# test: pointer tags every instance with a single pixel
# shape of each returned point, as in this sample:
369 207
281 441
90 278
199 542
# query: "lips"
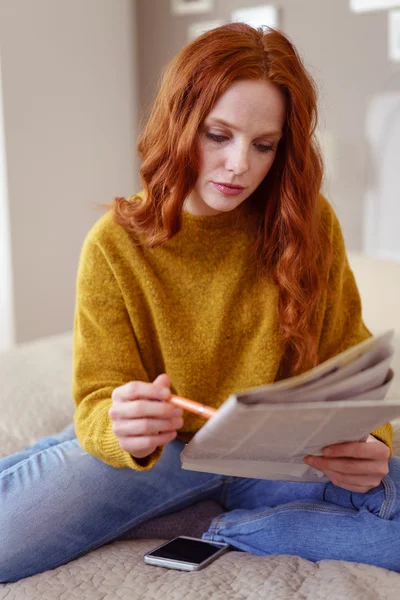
227 189
229 185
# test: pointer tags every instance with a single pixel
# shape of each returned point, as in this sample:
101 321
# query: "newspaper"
265 432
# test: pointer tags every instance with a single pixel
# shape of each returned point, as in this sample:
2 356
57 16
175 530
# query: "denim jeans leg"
68 433
62 502
324 522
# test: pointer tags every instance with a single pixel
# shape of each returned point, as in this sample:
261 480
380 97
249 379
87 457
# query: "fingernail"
178 412
165 393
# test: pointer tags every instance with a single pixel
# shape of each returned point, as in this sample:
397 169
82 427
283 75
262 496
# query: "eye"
215 137
263 148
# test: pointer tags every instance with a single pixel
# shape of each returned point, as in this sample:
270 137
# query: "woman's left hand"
354 466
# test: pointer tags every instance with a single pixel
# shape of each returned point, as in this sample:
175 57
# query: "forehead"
251 104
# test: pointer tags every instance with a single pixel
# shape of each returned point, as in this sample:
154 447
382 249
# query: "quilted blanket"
35 400
117 571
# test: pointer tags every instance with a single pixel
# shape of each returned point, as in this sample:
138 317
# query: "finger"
139 389
369 450
146 426
162 380
137 444
350 466
353 483
140 409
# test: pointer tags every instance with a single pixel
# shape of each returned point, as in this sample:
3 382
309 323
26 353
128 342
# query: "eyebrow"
265 134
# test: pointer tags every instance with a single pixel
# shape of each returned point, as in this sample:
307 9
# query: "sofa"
35 400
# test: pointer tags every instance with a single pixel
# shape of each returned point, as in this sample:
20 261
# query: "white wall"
7 332
70 115
382 215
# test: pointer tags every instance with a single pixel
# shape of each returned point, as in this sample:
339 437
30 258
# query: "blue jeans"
58 503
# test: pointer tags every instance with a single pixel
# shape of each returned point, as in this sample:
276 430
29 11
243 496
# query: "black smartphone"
185 553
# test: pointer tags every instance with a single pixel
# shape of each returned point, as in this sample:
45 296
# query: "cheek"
209 160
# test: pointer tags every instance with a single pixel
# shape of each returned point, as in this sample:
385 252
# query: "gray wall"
70 115
346 54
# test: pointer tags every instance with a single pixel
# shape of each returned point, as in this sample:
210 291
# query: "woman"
228 271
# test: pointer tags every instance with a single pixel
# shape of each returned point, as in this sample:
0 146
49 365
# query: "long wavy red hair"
289 239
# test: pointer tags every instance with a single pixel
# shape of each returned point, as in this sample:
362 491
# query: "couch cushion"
35 392
378 281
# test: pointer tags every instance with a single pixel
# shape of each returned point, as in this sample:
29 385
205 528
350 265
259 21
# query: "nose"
237 159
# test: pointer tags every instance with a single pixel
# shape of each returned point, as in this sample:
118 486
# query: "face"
237 145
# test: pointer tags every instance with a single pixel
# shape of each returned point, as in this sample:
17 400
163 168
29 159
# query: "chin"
221 207
221 203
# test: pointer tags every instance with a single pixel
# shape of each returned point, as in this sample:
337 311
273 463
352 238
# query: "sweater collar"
236 219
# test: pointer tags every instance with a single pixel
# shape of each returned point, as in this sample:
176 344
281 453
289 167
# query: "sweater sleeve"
105 356
342 323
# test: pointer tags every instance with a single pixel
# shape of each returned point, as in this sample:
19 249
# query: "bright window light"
257 16
368 5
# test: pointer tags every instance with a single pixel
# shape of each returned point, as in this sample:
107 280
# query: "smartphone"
185 553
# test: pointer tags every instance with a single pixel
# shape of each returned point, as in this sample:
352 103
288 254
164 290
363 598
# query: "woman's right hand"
142 419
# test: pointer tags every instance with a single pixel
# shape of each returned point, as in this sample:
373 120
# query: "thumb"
162 380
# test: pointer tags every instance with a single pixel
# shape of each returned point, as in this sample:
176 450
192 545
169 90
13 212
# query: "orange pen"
194 407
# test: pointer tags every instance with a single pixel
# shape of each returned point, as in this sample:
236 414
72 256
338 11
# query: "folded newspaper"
265 432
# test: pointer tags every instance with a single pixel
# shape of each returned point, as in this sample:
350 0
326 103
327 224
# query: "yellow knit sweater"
194 309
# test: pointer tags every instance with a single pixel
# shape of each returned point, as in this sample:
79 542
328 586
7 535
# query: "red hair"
289 240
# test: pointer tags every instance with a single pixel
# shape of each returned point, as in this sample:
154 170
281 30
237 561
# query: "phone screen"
185 550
